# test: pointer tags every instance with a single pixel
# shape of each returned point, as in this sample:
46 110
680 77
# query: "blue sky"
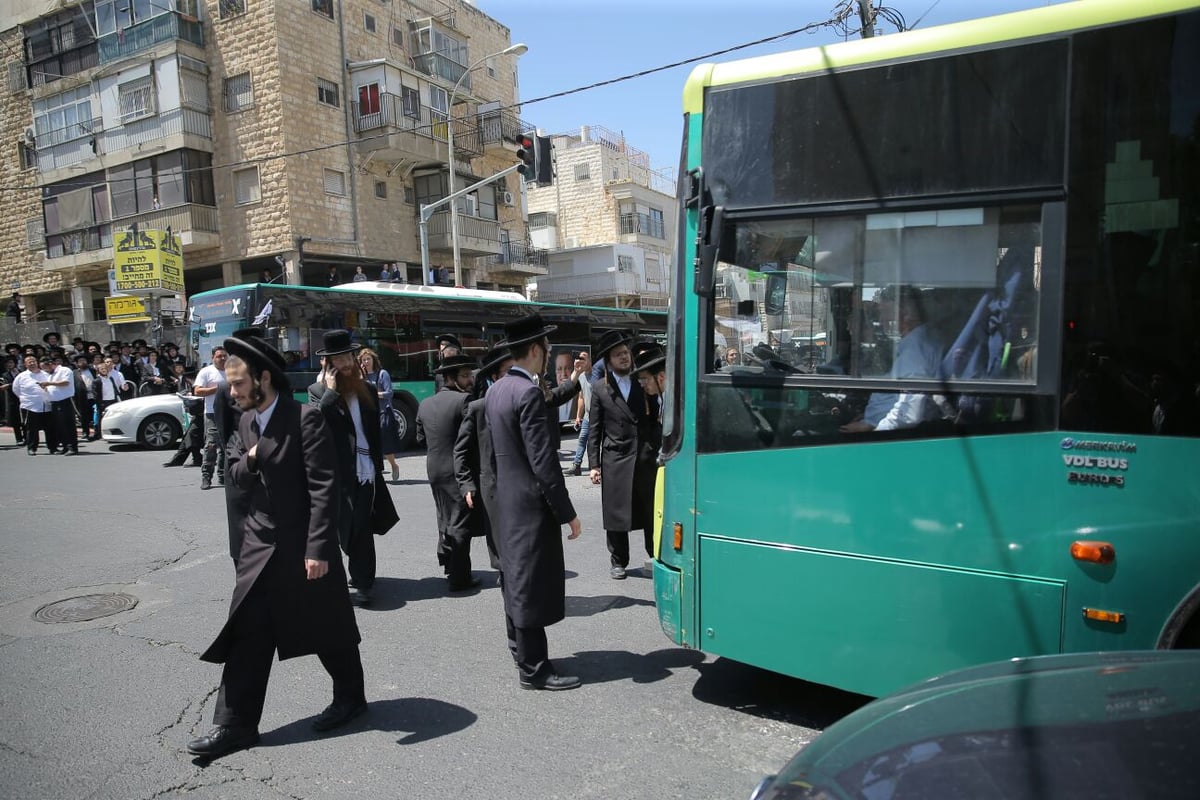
574 43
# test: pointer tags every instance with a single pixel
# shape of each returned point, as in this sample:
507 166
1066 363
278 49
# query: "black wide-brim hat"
455 363
168 345
46 336
649 358
79 356
337 342
494 358
608 341
138 343
261 354
448 338
526 329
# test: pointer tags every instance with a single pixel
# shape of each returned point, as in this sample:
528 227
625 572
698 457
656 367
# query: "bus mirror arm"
708 245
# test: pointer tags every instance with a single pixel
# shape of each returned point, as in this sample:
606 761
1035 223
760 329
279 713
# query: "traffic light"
527 155
535 154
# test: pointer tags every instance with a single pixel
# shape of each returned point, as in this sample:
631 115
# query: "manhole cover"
84 608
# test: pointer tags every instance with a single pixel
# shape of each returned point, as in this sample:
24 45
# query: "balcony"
497 129
515 261
615 289
439 66
476 236
180 122
196 226
144 35
67 146
398 132
642 225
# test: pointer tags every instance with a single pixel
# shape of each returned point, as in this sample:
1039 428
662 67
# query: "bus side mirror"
708 245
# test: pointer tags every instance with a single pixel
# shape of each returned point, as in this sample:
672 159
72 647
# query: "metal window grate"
231 8
16 76
137 99
239 92
327 93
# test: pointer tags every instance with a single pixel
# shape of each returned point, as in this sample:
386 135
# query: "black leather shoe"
338 714
223 739
360 598
551 683
463 585
574 470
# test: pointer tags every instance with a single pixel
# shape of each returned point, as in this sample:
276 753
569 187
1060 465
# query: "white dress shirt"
624 384
263 417
66 392
32 396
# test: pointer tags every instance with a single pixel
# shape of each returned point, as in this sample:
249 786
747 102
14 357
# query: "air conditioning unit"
30 139
507 198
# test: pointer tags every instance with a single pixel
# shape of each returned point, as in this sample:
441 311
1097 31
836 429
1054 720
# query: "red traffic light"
527 155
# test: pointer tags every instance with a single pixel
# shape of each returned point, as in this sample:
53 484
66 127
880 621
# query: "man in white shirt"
30 389
208 381
61 388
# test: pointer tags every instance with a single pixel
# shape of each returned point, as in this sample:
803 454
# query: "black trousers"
454 533
86 408
618 546
64 424
529 649
36 422
101 407
360 549
12 414
247 669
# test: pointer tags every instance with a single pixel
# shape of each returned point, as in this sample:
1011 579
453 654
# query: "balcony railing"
643 224
70 145
150 129
81 240
497 128
392 113
62 65
468 227
144 35
440 66
515 253
186 217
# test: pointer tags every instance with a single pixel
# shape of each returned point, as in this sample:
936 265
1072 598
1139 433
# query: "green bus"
399 321
981 243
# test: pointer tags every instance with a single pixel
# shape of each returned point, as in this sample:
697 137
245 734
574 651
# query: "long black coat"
345 443
626 474
475 465
292 517
227 416
531 505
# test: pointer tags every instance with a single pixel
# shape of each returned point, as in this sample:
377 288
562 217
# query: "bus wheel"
1189 637
406 425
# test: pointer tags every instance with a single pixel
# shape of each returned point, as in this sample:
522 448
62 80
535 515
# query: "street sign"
148 262
120 310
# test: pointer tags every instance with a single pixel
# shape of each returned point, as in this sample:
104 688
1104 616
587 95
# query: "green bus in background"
934 358
399 321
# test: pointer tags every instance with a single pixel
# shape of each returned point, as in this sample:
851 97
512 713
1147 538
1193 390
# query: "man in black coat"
438 419
349 403
290 593
474 458
531 506
627 486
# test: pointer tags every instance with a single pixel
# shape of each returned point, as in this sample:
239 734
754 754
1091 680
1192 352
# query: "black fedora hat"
455 363
448 338
649 357
138 342
494 358
79 356
169 345
261 354
11 346
526 329
46 336
608 341
338 341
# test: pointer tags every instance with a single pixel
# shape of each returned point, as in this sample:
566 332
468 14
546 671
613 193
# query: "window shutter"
335 182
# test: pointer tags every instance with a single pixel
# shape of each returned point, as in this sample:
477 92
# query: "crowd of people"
55 394
306 480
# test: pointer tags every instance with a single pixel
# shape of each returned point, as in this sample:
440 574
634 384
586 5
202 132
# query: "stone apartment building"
280 136
609 222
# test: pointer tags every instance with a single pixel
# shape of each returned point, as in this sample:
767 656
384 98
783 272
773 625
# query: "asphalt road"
102 709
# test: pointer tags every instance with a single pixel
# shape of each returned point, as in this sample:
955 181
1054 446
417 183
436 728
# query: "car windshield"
1126 758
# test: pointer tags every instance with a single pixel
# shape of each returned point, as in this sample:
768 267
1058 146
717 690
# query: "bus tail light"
1115 617
1096 552
677 536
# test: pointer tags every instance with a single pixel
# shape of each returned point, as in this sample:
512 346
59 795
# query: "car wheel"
158 432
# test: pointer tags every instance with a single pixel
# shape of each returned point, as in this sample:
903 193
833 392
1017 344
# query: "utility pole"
866 18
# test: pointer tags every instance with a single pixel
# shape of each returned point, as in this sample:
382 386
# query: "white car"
155 422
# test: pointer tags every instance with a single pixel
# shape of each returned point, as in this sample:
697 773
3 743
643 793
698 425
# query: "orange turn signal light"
677 540
1096 552
1115 617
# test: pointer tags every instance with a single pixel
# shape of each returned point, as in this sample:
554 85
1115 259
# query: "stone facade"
607 204
316 185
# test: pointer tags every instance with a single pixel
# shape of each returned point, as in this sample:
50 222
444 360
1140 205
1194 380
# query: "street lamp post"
516 50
